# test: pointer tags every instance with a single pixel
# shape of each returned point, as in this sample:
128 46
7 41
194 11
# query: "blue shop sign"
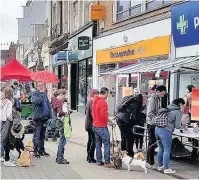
185 24
72 56
60 57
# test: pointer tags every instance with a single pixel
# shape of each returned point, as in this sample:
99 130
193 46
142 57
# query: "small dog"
26 158
138 160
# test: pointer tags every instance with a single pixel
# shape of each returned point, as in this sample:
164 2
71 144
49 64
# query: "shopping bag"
67 127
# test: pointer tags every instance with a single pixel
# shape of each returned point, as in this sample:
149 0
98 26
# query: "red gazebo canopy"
15 70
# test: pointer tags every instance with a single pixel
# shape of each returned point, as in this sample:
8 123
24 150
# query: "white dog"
138 160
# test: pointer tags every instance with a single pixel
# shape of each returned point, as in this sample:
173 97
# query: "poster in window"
195 104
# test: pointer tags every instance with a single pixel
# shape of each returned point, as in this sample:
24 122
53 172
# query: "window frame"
155 8
127 10
75 15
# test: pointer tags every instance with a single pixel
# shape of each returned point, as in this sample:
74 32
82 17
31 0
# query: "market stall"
14 70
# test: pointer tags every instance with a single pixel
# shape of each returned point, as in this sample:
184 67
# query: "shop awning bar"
153 66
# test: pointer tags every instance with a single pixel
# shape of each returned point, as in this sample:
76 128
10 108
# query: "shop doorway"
59 76
73 86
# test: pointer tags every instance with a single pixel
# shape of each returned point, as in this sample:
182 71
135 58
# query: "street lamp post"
39 64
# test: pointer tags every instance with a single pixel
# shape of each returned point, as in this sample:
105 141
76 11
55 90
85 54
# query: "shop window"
135 10
89 75
153 4
82 84
128 8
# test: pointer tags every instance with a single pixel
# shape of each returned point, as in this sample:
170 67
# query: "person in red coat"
100 123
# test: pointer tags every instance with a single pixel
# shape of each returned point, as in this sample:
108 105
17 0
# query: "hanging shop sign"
143 49
61 56
97 12
80 46
185 23
83 43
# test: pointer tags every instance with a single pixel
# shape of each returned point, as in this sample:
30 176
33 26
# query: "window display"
89 75
82 83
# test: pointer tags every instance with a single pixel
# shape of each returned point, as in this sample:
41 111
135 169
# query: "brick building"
7 55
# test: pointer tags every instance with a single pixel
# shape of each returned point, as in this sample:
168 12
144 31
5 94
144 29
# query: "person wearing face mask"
57 105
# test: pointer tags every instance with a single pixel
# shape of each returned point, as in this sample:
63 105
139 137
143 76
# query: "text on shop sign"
128 52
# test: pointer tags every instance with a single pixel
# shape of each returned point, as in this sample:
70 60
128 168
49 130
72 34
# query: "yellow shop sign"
143 49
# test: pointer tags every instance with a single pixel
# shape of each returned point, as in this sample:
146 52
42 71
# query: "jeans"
2 146
164 138
91 144
62 141
151 144
102 136
39 135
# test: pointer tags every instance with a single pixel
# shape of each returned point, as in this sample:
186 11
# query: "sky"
9 11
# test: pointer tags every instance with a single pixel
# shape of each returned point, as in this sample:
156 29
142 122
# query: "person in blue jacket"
41 114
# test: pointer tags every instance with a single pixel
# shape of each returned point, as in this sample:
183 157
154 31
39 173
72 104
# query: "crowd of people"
129 112
11 125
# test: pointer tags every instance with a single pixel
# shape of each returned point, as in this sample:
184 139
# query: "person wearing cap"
89 125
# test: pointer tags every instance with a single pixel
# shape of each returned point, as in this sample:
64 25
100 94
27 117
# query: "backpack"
162 117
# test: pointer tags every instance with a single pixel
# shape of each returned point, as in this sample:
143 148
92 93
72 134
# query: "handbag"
67 127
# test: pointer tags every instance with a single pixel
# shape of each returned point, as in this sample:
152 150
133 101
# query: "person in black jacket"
89 125
127 115
41 114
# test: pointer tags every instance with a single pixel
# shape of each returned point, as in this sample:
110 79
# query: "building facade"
7 55
131 34
71 49
185 44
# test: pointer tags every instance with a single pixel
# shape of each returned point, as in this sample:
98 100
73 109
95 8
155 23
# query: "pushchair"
51 130
29 128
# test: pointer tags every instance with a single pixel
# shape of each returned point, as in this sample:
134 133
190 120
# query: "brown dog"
26 157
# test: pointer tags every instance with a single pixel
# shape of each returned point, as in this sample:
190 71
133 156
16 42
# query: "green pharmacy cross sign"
182 25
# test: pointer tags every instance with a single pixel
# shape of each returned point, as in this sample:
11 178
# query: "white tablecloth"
188 134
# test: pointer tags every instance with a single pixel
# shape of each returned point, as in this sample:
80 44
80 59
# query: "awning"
161 65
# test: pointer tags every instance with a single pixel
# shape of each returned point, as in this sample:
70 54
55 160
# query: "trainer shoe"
2 159
64 161
160 168
169 171
9 164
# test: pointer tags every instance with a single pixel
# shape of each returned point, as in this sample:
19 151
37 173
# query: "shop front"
80 73
185 32
60 68
132 55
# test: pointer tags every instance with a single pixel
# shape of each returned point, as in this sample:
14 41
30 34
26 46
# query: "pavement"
79 168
